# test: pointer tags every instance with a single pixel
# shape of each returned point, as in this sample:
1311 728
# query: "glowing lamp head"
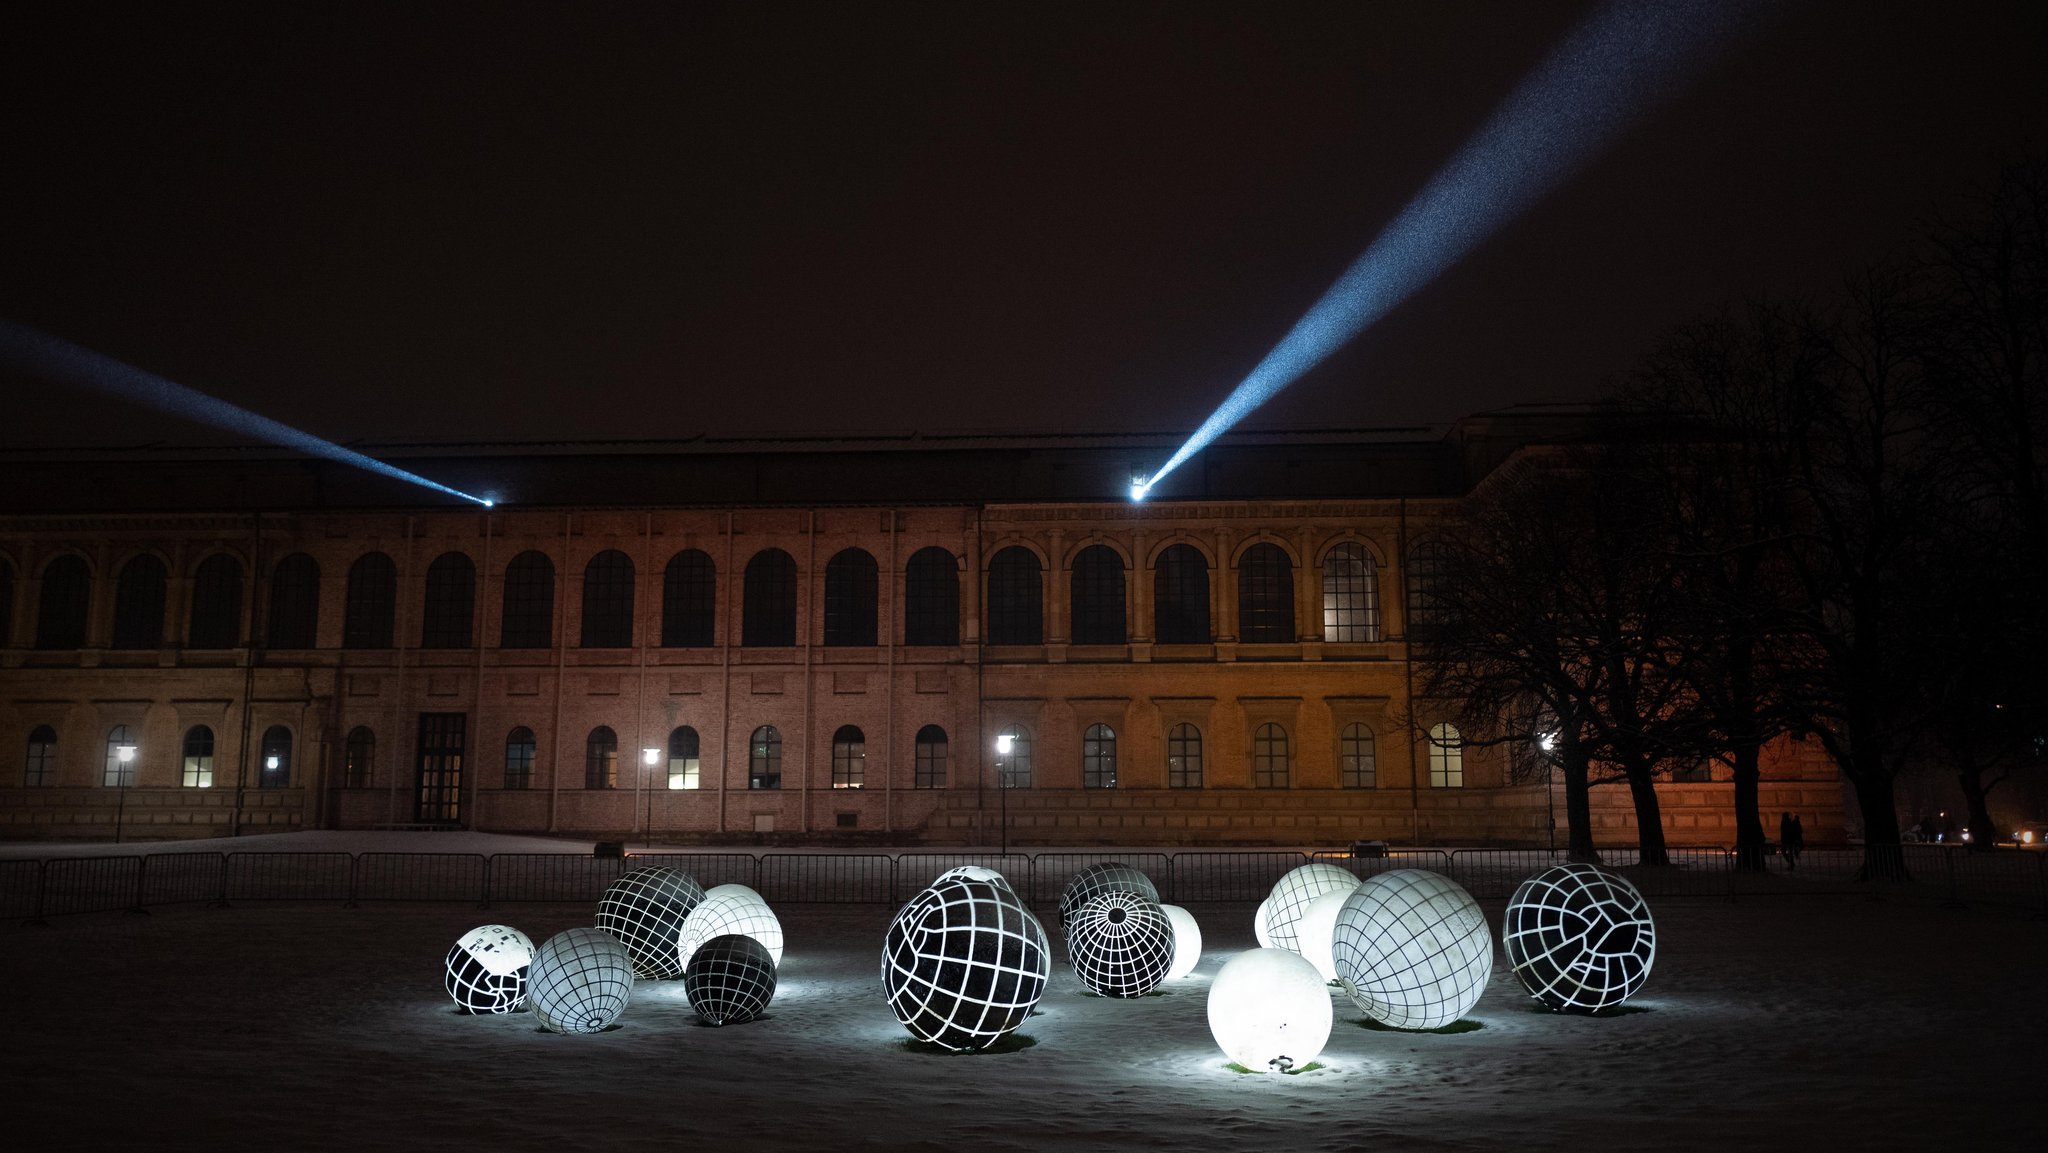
270 762
1269 1010
1547 742
650 756
489 503
1140 485
125 753
1004 744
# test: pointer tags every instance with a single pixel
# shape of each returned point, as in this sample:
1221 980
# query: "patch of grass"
1609 1011
1311 1067
1463 1025
1010 1043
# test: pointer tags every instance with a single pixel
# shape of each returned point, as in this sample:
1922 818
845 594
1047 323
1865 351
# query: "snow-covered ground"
1796 1022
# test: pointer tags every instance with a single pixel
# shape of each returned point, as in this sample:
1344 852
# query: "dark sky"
495 220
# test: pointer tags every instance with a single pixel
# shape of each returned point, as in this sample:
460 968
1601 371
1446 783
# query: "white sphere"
734 889
1579 937
1291 895
973 873
1269 1009
1316 931
1187 941
729 913
1259 924
486 969
1412 949
580 981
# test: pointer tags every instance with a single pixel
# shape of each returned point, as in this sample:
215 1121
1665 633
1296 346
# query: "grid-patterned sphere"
1291 896
486 969
728 913
974 873
1121 944
645 910
1105 877
1412 949
730 979
964 963
1579 937
735 888
580 981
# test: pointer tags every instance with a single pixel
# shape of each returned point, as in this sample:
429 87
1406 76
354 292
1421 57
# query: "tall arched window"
39 768
931 758
519 754
448 622
1265 596
931 598
294 621
1351 594
1098 757
608 601
197 770
1013 769
1184 757
1446 757
366 621
1180 597
359 759
849 758
120 770
216 604
1426 608
601 759
684 764
1016 598
61 611
6 603
1357 758
527 620
139 604
1098 588
768 608
764 759
850 590
1272 759
275 770
689 601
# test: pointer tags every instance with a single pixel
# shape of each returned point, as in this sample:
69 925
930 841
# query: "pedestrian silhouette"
1795 844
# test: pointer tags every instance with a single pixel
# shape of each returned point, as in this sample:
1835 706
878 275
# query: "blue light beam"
1607 74
49 358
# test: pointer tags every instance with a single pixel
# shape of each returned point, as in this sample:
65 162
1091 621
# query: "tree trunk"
1884 861
1578 810
1642 789
1970 775
1749 824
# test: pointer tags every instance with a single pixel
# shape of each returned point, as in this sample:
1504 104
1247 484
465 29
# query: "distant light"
270 762
650 756
489 503
1004 743
1547 742
1140 484
125 753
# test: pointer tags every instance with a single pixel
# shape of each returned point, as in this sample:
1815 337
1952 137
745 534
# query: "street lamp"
1004 743
125 754
649 756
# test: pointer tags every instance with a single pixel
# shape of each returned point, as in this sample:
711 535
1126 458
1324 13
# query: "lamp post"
1546 744
1005 742
650 756
125 754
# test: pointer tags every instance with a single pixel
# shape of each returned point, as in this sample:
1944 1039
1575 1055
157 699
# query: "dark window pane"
601 759
931 758
764 759
608 601
1098 588
689 601
1016 611
519 751
1098 758
139 604
768 616
61 611
294 603
1265 596
217 604
451 602
274 770
850 590
1181 597
931 588
372 599
527 620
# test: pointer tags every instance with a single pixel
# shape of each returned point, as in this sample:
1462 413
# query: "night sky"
517 221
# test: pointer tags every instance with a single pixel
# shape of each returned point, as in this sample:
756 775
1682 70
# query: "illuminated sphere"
964 963
580 981
1579 937
735 890
728 913
1291 895
486 969
1259 923
1187 941
1269 1009
1106 877
1412 949
1316 931
1121 944
645 910
974 873
730 979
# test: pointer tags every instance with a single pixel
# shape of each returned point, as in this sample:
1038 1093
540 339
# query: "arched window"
120 770
689 601
6 603
608 601
1180 597
1098 757
449 618
366 622
683 758
1357 759
1272 760
294 603
527 620
601 759
764 759
1351 594
39 768
931 598
1013 769
276 770
519 751
768 608
61 611
931 758
216 604
850 589
198 760
1184 757
1265 596
1016 598
359 758
849 758
1446 757
139 604
1098 590
1426 607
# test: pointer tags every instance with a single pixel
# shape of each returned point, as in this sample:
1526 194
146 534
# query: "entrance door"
439 797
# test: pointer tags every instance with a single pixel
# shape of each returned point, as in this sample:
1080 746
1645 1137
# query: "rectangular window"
682 772
442 737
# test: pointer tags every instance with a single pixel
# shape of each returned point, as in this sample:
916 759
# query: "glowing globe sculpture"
580 981
1291 896
1265 939
1269 1009
1412 949
728 913
730 979
964 963
645 910
1106 877
734 889
1579 938
1316 931
486 969
1187 942
973 873
1121 944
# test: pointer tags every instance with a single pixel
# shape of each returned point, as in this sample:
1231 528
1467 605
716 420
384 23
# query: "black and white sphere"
1412 949
730 979
973 873
580 981
1106 877
1291 896
1121 944
1579 938
721 914
964 963
645 910
486 969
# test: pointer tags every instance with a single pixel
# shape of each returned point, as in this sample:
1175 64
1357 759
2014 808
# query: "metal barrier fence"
1050 872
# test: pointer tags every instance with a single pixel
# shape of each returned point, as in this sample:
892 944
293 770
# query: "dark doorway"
440 767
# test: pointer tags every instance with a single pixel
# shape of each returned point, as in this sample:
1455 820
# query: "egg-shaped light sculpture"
1291 895
1187 942
1412 949
730 979
580 981
1269 1010
964 963
485 971
724 913
645 910
733 888
1315 932
1259 932
1121 944
1579 938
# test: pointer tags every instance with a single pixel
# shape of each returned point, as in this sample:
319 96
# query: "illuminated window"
359 759
448 620
850 590
768 608
764 759
1357 760
519 752
1013 769
139 604
931 598
849 758
527 620
608 601
1427 562
366 621
1016 598
1446 758
1351 595
601 759
216 604
689 601
1272 761
1098 757
294 603
119 773
61 610
1180 597
39 770
275 768
1265 596
1184 757
1098 596
198 758
931 758
683 762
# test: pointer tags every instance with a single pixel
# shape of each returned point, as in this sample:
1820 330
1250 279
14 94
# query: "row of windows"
124 756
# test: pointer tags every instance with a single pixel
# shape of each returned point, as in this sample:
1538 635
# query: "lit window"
1351 595
1446 757
198 758
683 758
764 759
1098 758
849 758
120 773
1357 758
